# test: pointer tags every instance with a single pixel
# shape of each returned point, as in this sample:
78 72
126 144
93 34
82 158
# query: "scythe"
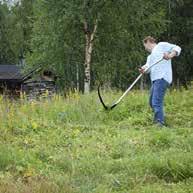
124 94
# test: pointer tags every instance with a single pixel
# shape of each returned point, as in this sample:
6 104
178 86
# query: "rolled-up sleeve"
147 65
171 47
177 49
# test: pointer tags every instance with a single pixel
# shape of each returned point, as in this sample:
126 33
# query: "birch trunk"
89 36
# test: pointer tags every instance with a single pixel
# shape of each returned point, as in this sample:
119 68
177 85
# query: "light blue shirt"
164 68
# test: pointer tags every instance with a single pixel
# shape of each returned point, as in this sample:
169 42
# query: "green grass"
71 145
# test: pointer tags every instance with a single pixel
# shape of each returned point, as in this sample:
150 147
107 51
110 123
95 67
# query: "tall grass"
72 145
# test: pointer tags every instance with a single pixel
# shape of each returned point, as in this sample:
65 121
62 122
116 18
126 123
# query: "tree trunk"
77 78
178 83
88 54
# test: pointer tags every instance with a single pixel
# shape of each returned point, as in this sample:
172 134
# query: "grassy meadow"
71 145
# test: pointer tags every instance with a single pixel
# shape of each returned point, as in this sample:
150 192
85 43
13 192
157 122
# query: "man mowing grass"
160 74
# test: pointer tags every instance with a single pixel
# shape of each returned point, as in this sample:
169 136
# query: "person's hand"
142 69
169 56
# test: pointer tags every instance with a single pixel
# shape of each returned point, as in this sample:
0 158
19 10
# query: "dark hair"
149 39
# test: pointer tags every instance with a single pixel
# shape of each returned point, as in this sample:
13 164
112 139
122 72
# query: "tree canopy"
94 40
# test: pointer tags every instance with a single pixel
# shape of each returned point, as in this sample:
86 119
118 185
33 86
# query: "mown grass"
71 145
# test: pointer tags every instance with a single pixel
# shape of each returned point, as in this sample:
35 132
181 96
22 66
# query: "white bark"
88 55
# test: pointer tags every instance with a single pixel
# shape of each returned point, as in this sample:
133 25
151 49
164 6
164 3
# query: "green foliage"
5 157
52 33
58 38
72 145
16 24
181 20
7 53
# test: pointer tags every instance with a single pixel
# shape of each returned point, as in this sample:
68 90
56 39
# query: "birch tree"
102 37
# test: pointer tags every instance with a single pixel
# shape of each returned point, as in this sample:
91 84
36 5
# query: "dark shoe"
160 125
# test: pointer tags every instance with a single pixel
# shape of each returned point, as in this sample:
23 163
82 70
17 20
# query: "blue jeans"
157 93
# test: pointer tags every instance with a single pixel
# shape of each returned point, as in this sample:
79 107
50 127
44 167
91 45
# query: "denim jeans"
157 93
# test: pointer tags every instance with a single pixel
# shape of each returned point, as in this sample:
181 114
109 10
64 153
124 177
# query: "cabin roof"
8 72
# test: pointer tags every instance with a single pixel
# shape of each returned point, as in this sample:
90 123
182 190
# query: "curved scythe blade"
124 94
101 100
